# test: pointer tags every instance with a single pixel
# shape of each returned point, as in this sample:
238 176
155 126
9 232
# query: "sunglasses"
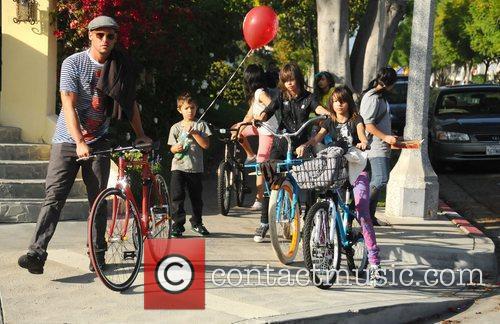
110 36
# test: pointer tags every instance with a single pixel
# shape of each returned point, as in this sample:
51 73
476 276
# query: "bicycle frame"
123 184
341 220
289 162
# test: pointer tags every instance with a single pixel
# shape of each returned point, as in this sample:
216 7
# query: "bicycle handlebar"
137 147
228 130
261 124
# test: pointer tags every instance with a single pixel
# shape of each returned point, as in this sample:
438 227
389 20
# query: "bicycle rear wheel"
321 246
160 208
224 187
114 231
356 253
284 228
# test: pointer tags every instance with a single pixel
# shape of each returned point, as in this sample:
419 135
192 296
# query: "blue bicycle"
284 205
331 228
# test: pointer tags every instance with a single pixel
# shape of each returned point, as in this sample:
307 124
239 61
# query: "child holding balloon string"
258 98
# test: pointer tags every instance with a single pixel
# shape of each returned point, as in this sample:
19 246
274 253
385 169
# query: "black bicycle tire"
159 179
306 247
355 239
240 186
224 206
92 253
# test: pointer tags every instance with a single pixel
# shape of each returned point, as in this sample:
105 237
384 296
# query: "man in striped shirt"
81 127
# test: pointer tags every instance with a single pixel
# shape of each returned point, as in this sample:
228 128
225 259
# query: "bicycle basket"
327 170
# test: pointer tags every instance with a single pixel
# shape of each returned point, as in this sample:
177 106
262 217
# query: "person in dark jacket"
82 126
292 106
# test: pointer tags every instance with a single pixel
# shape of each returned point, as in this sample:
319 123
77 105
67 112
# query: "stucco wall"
28 73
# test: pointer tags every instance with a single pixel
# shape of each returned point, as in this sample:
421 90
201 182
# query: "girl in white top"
259 99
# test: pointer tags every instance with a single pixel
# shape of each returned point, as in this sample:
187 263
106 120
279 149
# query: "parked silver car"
464 124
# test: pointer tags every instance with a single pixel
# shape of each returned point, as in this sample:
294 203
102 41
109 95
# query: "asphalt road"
473 190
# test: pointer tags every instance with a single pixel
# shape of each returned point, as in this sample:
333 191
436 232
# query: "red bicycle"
117 229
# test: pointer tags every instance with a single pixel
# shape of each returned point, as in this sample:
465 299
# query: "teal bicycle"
331 227
284 205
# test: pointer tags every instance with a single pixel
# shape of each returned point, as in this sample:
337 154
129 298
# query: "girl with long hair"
293 104
347 130
374 109
324 84
258 98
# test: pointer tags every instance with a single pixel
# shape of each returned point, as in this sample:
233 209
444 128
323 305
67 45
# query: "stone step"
23 151
14 188
11 169
10 134
27 210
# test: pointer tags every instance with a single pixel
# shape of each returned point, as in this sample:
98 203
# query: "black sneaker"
378 222
101 262
177 232
34 264
260 233
200 229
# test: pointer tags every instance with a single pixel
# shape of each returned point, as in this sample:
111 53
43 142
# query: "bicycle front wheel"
160 208
115 240
224 184
284 223
239 184
321 246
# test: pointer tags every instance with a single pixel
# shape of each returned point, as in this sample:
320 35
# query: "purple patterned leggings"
362 201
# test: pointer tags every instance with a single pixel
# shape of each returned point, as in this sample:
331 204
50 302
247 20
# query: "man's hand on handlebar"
143 139
82 150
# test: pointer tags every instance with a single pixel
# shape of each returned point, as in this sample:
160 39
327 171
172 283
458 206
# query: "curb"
458 220
477 253
399 313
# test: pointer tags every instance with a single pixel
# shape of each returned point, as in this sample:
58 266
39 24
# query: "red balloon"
260 26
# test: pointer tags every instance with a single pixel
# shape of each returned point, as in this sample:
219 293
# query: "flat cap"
103 21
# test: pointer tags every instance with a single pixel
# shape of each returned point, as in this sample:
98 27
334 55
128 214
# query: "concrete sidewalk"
67 292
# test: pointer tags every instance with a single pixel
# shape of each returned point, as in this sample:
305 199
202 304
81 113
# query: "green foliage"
466 31
357 9
218 75
400 56
297 36
484 28
449 38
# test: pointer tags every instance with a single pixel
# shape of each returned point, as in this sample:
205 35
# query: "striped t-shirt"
79 74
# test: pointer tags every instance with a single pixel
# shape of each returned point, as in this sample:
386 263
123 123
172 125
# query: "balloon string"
224 87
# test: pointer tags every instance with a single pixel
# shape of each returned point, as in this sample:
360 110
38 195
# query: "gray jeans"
61 174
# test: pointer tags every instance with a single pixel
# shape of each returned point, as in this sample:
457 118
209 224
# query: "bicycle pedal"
160 210
129 255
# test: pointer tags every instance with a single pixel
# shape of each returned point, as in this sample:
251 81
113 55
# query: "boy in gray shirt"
188 139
